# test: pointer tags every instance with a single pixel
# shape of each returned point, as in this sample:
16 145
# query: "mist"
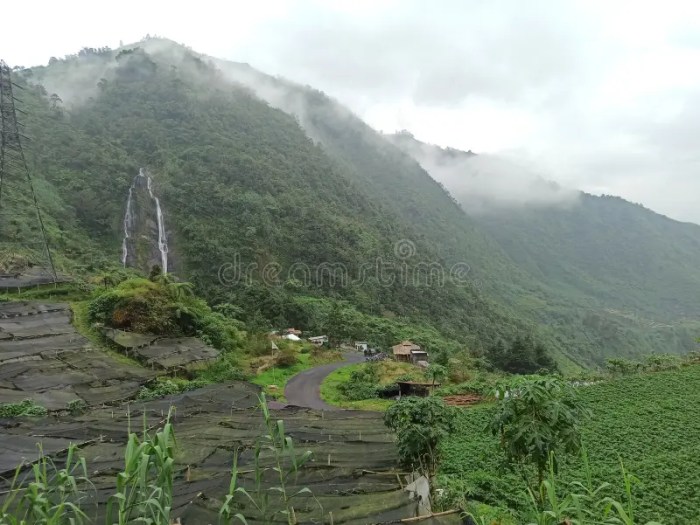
486 183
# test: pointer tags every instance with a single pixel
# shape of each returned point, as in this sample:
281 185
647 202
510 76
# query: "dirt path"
304 389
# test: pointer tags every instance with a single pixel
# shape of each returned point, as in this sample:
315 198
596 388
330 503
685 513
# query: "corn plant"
227 513
275 501
583 502
144 491
48 495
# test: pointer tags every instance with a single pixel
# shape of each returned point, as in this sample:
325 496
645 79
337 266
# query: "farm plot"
43 358
163 353
650 422
352 472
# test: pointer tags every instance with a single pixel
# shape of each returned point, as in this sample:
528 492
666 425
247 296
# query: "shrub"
287 357
159 389
76 407
24 408
362 384
222 370
420 424
658 362
259 345
387 391
164 308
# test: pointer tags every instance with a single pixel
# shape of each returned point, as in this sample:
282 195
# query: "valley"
226 298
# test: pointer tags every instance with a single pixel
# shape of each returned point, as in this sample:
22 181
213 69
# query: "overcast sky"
602 96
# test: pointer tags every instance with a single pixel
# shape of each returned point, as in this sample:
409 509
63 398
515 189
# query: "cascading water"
129 221
162 238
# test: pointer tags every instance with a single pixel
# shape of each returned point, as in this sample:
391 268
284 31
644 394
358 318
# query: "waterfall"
162 238
129 222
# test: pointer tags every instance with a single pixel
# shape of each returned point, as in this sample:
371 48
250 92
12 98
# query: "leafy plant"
269 502
145 487
535 418
162 388
420 424
27 407
76 407
50 496
582 503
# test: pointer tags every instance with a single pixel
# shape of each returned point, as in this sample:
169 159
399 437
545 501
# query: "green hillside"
242 184
625 276
292 209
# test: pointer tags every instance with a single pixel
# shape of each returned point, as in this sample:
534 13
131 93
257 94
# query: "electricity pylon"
14 171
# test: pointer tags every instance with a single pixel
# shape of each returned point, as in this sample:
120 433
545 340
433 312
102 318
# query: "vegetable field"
650 422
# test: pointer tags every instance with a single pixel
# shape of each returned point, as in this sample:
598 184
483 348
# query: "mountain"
631 271
259 215
285 205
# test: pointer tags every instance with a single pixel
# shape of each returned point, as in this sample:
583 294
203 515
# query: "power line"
11 153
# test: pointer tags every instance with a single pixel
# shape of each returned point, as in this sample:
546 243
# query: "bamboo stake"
428 516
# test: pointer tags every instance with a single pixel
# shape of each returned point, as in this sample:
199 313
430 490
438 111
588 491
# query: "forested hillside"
262 182
632 272
241 184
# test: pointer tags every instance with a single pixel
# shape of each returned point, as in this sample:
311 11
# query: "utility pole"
13 164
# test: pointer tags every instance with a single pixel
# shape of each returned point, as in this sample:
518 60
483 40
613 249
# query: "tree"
524 356
535 419
420 424
337 325
55 100
56 104
435 372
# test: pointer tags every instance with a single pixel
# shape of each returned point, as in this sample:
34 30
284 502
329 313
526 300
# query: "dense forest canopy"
277 180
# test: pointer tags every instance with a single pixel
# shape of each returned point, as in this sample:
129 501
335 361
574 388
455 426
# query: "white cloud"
601 94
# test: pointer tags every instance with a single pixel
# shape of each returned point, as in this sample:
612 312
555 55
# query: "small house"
408 352
404 351
419 356
415 388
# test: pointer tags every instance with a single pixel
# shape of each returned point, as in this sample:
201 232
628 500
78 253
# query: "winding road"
304 389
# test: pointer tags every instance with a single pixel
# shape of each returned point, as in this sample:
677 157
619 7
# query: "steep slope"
262 217
630 272
282 202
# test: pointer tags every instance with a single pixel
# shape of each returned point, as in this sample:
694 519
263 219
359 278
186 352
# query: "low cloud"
487 183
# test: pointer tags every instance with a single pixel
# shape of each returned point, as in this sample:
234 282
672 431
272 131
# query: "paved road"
304 389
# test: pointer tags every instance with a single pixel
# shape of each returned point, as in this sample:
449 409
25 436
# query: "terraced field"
352 475
43 358
651 422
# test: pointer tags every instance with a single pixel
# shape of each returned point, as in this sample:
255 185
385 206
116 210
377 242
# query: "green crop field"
650 422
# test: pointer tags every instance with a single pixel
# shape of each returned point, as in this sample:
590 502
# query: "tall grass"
48 495
582 502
